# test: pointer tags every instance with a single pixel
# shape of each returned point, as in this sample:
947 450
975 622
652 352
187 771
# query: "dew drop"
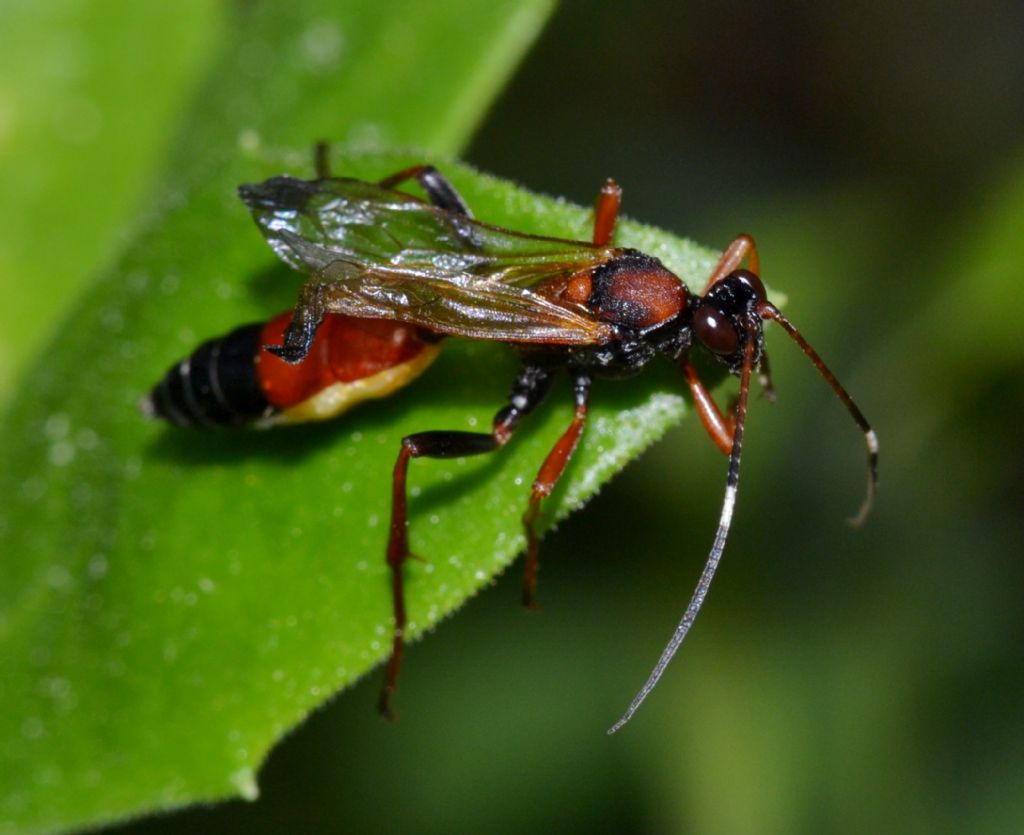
57 426
249 141
58 577
33 489
322 45
86 439
62 453
112 319
33 728
137 282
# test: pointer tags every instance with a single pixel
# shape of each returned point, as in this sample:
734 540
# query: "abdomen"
232 381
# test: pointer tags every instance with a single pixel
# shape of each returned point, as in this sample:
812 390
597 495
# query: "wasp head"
728 316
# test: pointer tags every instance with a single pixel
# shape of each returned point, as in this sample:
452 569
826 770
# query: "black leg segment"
440 191
322 160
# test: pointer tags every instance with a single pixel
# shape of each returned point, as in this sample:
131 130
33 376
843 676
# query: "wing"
379 253
461 305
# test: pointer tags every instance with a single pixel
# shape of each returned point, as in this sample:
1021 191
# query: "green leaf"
118 690
181 599
79 141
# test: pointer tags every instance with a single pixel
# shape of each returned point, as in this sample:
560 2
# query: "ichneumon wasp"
391 276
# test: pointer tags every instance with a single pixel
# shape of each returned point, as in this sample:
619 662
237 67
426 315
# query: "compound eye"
716 331
752 283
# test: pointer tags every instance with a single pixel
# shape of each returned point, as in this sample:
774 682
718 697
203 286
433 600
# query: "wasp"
392 275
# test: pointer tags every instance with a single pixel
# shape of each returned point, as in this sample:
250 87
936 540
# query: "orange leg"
732 258
547 477
721 429
606 213
399 177
430 445
527 392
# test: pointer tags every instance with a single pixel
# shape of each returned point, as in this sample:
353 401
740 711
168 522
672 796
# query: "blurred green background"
837 680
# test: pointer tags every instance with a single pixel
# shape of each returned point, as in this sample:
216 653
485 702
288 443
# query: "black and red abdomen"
232 380
350 360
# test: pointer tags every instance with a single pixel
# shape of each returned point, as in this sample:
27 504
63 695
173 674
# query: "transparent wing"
380 253
462 306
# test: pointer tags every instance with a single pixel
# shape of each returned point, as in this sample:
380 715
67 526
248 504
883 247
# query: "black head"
727 318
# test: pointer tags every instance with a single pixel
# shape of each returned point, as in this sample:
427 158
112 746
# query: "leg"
440 192
606 212
764 378
732 258
528 391
322 160
721 429
547 477
306 318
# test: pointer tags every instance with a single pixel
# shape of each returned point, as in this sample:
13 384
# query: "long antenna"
725 520
769 311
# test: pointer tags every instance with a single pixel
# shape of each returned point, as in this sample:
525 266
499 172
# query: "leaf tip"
244 780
